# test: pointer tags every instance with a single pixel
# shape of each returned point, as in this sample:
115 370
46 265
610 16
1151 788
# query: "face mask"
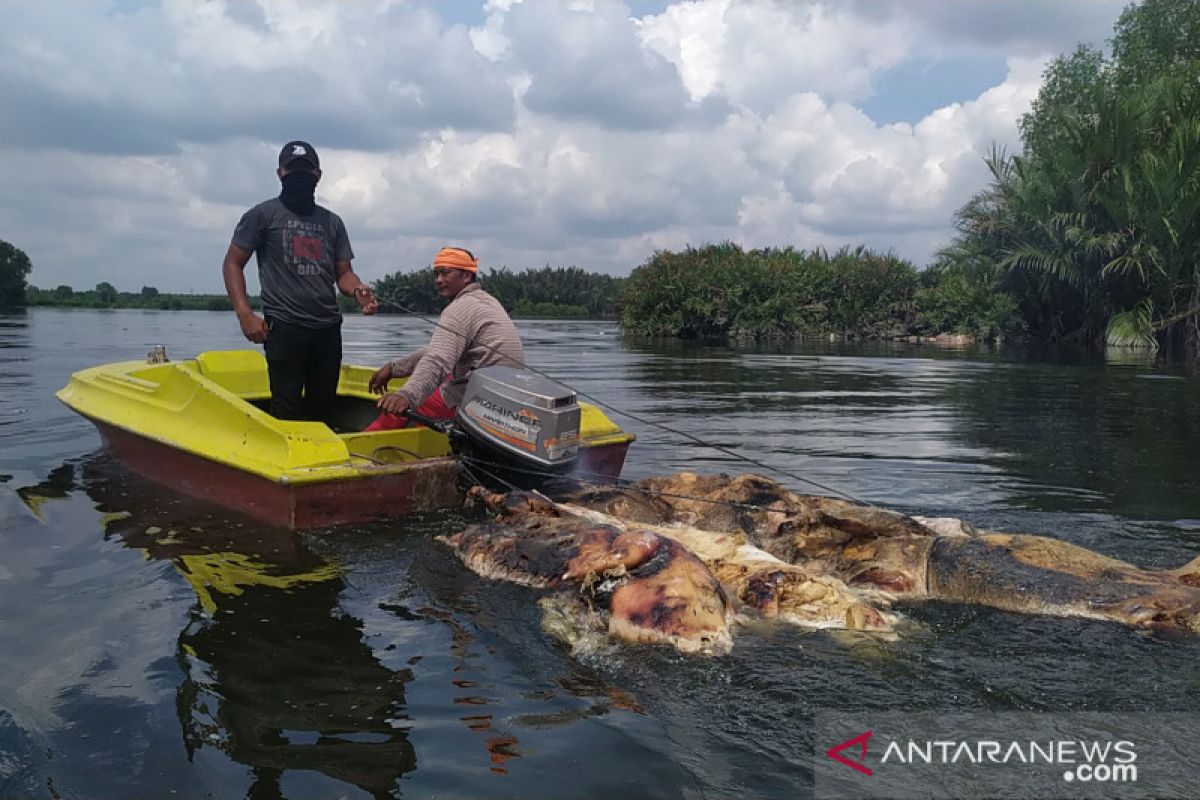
298 192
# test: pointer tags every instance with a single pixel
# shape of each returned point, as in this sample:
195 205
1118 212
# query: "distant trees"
557 291
724 292
14 266
105 295
544 292
406 291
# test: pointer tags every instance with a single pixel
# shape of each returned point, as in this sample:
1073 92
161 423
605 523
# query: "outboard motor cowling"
516 427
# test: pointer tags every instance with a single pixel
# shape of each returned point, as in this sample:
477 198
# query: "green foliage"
1133 328
411 291
961 293
1096 227
545 292
14 266
528 308
1155 37
720 291
548 291
105 295
1072 88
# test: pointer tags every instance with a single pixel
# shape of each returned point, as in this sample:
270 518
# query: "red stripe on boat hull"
425 486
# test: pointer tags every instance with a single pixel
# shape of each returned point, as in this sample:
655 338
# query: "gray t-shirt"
296 257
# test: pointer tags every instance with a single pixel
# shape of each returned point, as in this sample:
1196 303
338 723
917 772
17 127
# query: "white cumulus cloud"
536 132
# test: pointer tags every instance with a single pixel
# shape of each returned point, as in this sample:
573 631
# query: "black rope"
641 420
618 483
596 477
470 466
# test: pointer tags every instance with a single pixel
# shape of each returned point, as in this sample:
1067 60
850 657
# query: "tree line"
1090 234
725 292
544 292
105 295
716 291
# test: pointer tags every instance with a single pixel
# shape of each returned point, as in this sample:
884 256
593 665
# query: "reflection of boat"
283 682
200 426
275 673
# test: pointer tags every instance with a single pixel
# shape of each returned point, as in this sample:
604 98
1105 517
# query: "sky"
589 133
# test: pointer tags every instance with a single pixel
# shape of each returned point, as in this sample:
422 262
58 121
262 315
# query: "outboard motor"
515 427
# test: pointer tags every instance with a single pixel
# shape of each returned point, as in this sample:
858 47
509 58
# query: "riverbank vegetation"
105 295
14 266
723 291
1094 230
561 292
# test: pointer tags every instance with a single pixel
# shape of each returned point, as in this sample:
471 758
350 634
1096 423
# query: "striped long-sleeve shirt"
473 331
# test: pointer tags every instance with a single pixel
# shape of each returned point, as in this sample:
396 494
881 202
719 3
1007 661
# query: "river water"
154 646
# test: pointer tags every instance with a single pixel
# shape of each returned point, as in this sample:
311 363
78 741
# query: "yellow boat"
201 427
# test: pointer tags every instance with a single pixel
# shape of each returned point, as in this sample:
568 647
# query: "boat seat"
243 372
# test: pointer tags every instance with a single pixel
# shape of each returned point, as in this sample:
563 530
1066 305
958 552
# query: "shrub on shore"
723 291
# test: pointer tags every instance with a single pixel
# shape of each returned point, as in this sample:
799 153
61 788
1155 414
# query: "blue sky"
917 88
563 132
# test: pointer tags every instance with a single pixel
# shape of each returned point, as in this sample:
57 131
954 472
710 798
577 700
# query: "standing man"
473 331
303 252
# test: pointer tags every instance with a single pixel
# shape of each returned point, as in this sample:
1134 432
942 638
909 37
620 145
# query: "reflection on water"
276 671
927 430
281 681
365 661
275 674
14 368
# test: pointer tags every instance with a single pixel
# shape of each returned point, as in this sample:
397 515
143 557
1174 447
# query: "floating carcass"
881 553
651 582
649 588
677 559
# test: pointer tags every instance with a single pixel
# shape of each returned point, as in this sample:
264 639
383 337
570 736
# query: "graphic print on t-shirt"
304 247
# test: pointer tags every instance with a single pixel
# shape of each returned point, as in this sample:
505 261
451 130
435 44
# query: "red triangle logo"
861 740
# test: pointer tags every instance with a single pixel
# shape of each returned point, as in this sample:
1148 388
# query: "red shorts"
434 407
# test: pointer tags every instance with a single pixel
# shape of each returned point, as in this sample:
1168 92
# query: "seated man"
473 331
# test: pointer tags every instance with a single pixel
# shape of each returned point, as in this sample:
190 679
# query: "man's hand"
379 381
366 300
393 403
254 327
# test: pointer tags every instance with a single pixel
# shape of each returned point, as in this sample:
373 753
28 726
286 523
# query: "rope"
470 465
390 301
619 483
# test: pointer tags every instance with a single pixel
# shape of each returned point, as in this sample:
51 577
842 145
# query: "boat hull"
201 427
427 485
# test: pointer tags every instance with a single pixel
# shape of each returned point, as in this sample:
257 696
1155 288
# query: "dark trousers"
303 365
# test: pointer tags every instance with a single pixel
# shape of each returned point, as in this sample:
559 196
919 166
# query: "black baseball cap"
299 151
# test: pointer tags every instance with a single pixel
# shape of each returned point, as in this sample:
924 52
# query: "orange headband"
455 258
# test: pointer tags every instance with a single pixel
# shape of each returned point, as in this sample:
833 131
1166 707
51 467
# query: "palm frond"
1133 328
